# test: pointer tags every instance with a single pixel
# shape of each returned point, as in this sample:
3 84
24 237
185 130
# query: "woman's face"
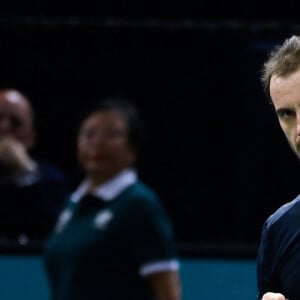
103 147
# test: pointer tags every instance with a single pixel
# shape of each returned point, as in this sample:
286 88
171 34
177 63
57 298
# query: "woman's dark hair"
127 109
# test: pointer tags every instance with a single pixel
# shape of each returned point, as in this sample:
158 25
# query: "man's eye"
15 122
285 113
87 133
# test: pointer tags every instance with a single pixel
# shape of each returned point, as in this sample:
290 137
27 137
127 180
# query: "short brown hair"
284 59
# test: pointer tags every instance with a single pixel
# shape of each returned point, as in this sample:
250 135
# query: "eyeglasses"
108 135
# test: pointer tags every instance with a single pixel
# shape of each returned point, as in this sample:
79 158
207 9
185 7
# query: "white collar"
108 190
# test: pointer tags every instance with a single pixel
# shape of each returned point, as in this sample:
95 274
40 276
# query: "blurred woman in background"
113 240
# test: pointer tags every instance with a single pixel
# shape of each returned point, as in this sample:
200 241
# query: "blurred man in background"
31 192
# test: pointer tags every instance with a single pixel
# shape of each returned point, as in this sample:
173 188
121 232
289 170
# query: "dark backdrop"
214 150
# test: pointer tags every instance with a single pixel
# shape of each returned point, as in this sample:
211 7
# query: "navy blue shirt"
278 262
30 208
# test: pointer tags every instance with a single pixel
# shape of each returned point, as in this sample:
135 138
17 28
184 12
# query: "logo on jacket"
102 218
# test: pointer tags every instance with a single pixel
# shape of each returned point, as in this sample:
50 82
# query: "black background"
213 149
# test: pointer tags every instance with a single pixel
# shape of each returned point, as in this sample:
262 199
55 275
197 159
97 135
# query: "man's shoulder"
287 211
50 172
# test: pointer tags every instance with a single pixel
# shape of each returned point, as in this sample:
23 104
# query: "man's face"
16 117
285 94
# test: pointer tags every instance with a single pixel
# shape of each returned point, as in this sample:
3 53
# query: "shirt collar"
108 190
